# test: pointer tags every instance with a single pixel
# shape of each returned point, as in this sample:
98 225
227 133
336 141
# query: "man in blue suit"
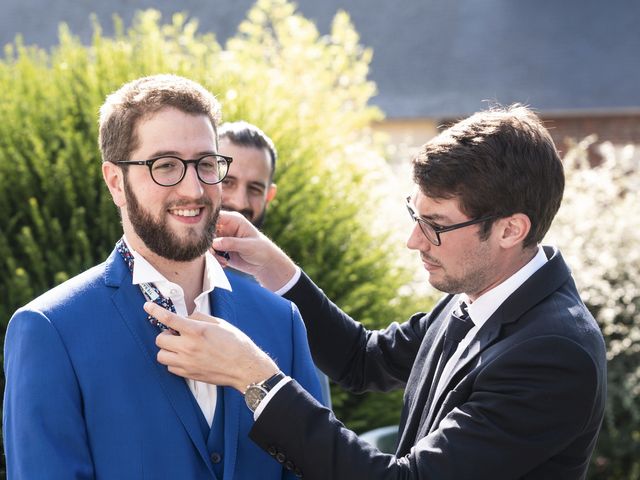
85 396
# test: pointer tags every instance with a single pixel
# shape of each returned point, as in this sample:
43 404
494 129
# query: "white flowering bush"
598 231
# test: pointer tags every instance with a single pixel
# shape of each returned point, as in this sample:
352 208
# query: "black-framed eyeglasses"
432 232
168 170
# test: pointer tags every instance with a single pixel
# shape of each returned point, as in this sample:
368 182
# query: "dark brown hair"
244 134
497 162
143 97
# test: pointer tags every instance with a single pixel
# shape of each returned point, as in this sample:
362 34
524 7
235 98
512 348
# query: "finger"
243 248
170 319
168 358
168 341
206 318
228 223
181 372
221 256
225 244
233 224
177 369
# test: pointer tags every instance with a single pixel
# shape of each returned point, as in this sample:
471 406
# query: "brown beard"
161 240
257 222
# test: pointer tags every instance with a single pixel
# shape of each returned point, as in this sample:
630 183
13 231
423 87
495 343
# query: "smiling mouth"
186 212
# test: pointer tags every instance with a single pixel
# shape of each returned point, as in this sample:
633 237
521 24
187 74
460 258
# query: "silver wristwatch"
256 392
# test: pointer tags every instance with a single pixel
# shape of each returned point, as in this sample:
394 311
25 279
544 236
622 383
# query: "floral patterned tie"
149 290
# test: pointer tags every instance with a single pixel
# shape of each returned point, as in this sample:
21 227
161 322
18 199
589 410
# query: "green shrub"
598 230
308 92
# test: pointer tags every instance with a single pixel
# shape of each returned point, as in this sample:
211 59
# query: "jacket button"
289 465
215 458
272 451
281 457
298 472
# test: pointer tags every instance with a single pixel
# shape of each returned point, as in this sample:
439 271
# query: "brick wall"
405 136
617 129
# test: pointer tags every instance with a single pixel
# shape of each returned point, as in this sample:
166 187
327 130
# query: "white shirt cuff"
269 396
287 286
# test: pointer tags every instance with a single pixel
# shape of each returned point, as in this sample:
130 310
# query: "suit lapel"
483 339
222 306
128 301
541 284
428 356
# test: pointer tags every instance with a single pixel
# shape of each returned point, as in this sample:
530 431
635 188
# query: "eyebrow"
174 153
436 218
252 183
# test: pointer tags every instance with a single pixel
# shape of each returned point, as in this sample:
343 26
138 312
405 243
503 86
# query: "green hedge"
598 230
308 92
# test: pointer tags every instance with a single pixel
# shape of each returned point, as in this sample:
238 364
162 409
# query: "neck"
512 264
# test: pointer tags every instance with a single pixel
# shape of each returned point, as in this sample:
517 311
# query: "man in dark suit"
84 395
504 379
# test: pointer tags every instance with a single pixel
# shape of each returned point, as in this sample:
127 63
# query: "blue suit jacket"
86 398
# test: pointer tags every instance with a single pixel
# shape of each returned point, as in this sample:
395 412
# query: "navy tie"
457 329
459 326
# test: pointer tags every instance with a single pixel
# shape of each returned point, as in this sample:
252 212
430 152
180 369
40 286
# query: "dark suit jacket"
526 399
85 397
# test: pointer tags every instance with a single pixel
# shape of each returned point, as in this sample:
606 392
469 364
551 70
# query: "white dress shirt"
485 305
214 277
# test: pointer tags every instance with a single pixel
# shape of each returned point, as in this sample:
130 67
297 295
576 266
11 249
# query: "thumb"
233 224
232 244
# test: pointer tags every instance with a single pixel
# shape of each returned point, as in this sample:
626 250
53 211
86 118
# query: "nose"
191 186
417 240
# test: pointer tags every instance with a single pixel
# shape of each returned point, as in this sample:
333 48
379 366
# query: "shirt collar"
144 272
487 303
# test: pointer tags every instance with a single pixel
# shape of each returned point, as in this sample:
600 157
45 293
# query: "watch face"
253 396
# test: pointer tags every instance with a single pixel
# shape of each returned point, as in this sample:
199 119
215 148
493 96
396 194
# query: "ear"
514 229
271 192
113 177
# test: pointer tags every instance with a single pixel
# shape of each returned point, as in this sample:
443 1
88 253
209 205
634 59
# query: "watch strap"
272 381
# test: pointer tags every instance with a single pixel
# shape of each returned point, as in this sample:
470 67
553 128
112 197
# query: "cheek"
457 256
452 261
257 202
476 256
214 192
151 198
153 201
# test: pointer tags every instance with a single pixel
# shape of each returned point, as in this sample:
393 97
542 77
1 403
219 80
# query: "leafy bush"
308 92
598 230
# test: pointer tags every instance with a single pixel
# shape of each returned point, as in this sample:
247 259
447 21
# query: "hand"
252 252
210 350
